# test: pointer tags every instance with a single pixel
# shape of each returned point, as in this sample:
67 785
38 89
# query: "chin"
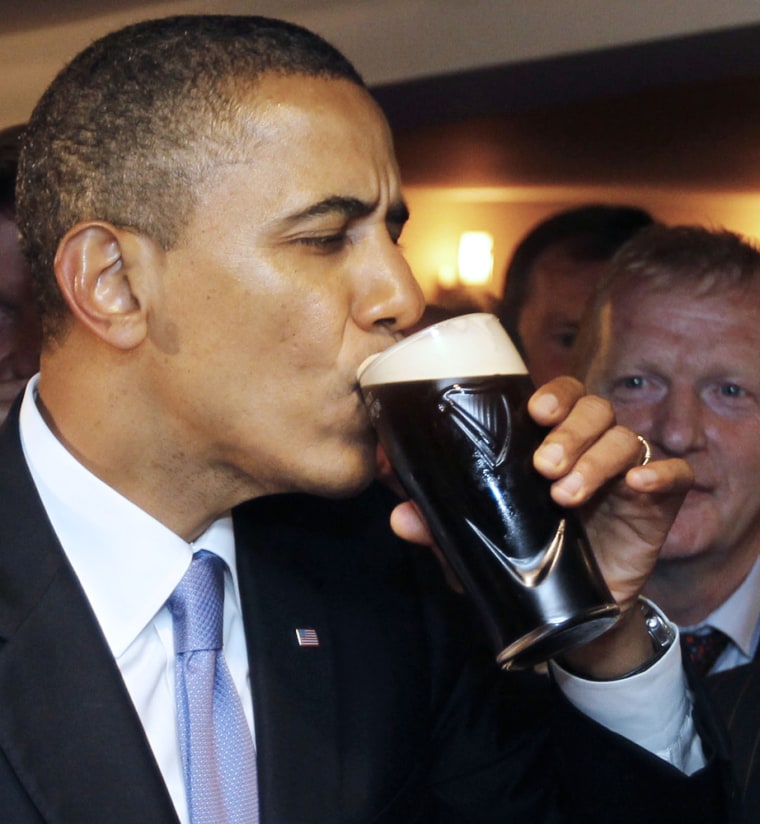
351 475
681 549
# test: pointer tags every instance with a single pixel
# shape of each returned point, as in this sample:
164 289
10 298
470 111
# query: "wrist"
639 640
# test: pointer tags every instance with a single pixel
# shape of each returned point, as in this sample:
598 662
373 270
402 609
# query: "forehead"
675 325
557 278
308 134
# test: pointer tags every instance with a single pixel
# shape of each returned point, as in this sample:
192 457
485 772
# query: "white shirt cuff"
653 709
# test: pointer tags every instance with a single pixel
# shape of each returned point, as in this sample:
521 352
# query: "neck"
689 589
116 429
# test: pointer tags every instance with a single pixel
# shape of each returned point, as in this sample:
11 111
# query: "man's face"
560 288
288 276
19 335
684 371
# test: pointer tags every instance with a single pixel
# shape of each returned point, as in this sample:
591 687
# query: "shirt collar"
739 615
127 562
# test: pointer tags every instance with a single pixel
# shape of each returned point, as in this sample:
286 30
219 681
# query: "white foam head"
468 345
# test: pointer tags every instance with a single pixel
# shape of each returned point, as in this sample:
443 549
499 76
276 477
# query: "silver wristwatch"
661 633
659 628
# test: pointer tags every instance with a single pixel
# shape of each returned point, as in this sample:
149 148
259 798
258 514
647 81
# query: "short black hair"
128 130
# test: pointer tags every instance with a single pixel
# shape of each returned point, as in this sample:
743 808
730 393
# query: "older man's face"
684 371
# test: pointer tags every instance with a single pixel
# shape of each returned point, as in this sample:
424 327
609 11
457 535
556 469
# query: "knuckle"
626 438
600 409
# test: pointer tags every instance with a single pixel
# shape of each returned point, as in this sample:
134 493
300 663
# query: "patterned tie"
704 647
218 756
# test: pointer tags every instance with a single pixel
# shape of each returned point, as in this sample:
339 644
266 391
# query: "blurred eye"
730 397
637 389
564 336
567 340
732 390
633 382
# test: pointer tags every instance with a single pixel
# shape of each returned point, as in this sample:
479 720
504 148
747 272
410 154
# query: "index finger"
552 402
408 523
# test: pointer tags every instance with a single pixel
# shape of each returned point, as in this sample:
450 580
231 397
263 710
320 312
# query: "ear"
104 274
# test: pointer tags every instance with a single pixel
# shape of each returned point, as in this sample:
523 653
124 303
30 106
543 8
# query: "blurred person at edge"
551 276
672 339
19 328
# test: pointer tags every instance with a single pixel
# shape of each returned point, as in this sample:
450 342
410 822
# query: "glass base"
551 640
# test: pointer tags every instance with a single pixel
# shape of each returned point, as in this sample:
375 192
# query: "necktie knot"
704 647
197 605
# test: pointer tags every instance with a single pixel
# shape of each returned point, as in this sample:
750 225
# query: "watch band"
661 633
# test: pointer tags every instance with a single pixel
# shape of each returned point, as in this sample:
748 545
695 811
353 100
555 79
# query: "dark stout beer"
463 446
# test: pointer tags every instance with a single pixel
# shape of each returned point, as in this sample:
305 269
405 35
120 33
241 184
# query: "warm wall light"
475 258
447 276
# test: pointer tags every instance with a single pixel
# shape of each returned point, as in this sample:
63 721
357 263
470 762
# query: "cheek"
312 332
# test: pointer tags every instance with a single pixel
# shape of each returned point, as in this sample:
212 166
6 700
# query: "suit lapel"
293 686
67 727
735 693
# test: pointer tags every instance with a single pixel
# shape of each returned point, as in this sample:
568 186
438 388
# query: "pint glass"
449 404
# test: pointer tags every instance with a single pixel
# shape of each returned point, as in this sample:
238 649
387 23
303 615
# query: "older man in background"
673 340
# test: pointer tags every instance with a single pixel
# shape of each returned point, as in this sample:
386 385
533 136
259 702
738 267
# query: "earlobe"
98 269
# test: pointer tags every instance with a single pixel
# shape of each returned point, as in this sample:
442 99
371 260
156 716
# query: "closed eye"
325 244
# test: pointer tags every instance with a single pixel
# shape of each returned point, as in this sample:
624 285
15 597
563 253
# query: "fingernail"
571 484
552 454
646 476
546 404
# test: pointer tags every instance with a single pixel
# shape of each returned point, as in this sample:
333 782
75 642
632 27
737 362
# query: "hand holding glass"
449 404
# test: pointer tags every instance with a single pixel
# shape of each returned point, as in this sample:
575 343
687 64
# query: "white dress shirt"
128 565
739 618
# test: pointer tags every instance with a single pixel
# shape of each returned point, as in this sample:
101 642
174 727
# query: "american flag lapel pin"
307 637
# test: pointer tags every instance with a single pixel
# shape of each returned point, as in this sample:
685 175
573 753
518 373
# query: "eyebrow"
350 207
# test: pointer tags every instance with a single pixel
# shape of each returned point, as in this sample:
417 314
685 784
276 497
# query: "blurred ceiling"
18 16
680 113
496 92
392 41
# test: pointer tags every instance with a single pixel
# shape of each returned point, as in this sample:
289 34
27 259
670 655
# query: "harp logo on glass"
483 417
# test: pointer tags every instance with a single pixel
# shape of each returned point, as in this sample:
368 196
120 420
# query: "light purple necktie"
218 756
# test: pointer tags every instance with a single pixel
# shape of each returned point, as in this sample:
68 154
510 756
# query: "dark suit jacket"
397 717
736 694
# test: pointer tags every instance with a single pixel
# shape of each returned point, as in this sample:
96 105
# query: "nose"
678 425
386 293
